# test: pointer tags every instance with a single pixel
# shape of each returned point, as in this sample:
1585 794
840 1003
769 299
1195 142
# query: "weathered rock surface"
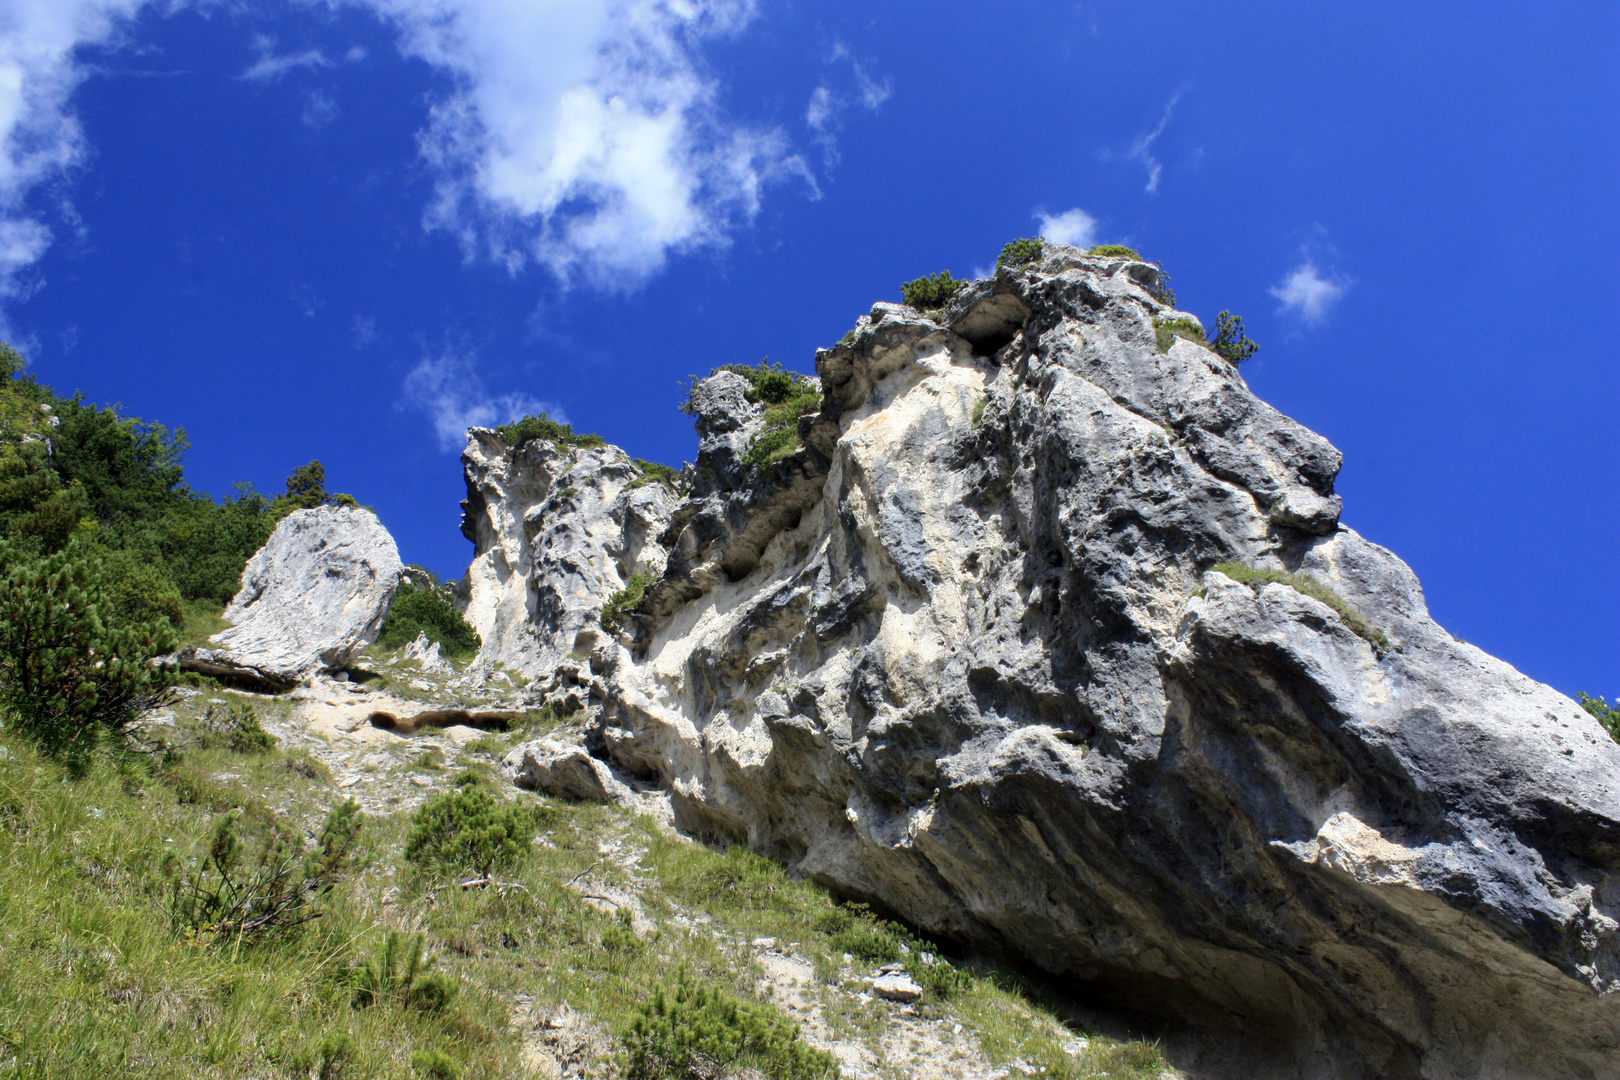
556 531
564 771
963 655
311 599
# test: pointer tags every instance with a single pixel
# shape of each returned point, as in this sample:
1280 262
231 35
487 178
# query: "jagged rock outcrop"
556 530
964 655
311 599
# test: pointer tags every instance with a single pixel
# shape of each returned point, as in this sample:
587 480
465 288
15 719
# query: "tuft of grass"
1167 330
625 599
977 417
203 619
932 292
1313 588
654 472
1114 251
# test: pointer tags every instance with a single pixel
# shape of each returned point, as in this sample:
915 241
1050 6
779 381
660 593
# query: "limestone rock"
311 598
894 986
963 656
556 531
425 653
564 771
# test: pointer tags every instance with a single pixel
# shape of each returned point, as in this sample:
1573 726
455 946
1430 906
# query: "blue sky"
344 230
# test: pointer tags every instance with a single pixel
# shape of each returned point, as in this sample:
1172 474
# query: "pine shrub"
401 976
73 678
425 611
930 293
701 1031
1020 252
468 830
519 434
1229 339
625 599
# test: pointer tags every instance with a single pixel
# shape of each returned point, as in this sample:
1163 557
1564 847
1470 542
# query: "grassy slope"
94 980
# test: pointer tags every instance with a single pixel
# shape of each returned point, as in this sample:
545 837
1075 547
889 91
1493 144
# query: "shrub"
411 984
1229 340
139 590
530 428
1160 289
1607 715
1167 330
625 599
72 679
329 1060
467 830
1313 588
306 487
1114 251
700 1031
226 900
929 293
1019 252
426 611
235 727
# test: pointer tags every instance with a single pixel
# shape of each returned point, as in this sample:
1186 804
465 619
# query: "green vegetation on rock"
426 611
524 431
625 599
1167 330
1114 251
1230 341
1311 587
930 293
1020 252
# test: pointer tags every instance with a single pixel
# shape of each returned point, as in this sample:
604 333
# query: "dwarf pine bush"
468 830
699 1030
73 678
625 599
401 976
1020 252
1229 339
929 293
425 611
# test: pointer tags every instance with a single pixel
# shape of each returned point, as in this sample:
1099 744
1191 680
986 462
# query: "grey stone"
896 988
564 771
311 599
963 656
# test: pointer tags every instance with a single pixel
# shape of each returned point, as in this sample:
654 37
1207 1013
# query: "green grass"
1167 330
1313 588
204 619
624 599
95 981
1114 251
654 472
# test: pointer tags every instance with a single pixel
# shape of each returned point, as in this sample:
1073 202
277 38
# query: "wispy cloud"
269 67
824 115
1305 293
450 391
320 109
363 331
1141 148
1069 227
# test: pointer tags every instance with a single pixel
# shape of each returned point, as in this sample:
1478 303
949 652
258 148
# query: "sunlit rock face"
311 598
963 655
556 530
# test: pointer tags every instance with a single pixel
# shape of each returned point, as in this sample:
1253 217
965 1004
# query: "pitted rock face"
964 656
312 597
556 531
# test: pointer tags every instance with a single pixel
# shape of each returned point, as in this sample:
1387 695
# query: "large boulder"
311 599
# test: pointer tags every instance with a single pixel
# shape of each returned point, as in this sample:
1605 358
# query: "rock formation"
311 599
557 530
965 655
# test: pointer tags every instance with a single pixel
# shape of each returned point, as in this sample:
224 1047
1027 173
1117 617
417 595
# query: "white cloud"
448 388
584 134
40 138
269 67
320 109
1307 294
1070 227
